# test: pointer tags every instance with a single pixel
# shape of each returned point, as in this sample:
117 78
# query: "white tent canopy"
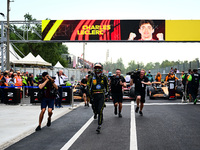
58 65
13 55
40 59
32 60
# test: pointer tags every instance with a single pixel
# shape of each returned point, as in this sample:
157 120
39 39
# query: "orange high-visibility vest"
18 81
158 78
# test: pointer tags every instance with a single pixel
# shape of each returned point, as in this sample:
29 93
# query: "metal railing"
180 67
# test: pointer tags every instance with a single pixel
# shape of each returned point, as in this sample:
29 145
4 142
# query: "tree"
149 66
111 67
131 66
156 65
119 65
108 66
166 63
51 52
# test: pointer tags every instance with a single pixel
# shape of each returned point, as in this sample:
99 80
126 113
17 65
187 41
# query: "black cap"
44 74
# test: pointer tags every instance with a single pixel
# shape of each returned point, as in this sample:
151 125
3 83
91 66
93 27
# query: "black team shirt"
115 86
138 85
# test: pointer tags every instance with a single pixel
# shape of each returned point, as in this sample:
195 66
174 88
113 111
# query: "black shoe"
115 112
104 105
88 105
38 128
120 115
85 104
140 112
98 129
95 116
48 123
136 110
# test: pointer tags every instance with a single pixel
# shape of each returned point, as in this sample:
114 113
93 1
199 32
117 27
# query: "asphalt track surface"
166 125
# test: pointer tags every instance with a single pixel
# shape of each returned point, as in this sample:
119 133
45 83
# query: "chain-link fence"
73 74
180 67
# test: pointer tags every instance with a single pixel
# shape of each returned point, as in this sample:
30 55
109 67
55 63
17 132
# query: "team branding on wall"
121 30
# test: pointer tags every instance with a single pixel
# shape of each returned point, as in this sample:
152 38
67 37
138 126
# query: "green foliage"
50 52
132 65
111 67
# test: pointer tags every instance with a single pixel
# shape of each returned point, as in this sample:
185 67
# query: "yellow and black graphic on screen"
121 30
81 30
49 28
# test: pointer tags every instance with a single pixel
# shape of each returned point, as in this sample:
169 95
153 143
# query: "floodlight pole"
2 42
84 58
8 38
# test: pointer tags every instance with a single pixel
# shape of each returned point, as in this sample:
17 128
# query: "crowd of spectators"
17 79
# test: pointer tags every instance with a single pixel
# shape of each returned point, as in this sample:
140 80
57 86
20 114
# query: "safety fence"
72 74
16 94
180 67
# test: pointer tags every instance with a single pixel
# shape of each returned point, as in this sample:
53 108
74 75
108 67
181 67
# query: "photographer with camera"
60 81
47 94
140 81
116 83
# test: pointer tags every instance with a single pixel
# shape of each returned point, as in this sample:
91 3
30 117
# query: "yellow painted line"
53 30
44 24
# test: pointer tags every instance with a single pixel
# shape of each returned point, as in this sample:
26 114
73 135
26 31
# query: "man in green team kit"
194 79
98 86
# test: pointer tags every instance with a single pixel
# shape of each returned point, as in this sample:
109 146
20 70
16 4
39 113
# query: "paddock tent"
13 56
58 65
40 59
32 60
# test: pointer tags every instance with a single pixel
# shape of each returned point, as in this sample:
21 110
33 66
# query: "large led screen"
121 30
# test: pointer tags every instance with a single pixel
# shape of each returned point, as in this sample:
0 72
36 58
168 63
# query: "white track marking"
76 136
149 104
133 135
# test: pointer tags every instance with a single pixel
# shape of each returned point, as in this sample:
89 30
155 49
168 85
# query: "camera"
134 74
90 74
40 78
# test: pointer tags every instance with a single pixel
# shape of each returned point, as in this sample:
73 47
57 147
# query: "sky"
115 9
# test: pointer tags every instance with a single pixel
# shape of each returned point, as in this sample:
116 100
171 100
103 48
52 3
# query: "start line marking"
151 104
